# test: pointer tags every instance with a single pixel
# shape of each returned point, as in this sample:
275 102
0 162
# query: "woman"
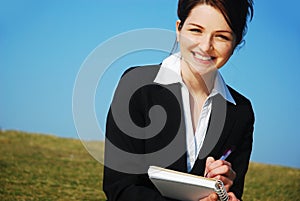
202 117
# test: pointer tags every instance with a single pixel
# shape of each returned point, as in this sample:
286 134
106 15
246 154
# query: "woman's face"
206 40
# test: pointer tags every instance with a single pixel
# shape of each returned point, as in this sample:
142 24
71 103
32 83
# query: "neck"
198 84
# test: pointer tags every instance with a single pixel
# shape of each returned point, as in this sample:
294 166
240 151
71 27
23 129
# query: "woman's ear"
178 29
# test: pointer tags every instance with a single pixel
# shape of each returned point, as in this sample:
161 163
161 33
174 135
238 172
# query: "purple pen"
226 154
223 157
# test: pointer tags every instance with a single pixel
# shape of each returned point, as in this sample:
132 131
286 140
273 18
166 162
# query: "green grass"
269 183
44 167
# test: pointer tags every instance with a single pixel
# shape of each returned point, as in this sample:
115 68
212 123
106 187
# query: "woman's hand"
214 197
221 170
211 197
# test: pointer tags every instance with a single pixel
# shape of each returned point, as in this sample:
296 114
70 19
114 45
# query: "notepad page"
161 173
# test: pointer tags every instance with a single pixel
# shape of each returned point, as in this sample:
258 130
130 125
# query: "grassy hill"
43 167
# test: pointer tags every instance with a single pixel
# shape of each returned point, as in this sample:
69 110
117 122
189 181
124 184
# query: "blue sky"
44 43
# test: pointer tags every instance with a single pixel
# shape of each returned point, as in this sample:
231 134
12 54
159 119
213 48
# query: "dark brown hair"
235 12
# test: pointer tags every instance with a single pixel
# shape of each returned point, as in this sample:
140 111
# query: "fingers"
220 169
211 197
226 181
232 197
217 163
214 197
209 161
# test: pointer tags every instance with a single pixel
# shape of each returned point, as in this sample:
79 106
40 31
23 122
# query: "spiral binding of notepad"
221 191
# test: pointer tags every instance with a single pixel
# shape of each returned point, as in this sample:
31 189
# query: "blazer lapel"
174 154
220 126
181 163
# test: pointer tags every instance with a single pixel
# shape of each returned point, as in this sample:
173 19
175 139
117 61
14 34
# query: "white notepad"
184 186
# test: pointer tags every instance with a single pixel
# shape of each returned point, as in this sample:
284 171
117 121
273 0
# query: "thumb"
213 196
209 161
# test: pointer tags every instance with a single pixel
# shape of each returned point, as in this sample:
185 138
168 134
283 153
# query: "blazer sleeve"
241 156
121 186
119 183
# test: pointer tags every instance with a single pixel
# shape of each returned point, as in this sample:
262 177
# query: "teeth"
204 58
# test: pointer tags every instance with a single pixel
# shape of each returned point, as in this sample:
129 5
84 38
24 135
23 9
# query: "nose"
205 43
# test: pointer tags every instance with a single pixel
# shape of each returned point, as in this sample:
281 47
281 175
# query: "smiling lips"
202 58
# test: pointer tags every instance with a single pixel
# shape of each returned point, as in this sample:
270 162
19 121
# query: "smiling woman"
202 116
235 13
206 44
205 41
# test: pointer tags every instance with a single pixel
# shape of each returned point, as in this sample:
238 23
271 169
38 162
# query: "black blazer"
129 150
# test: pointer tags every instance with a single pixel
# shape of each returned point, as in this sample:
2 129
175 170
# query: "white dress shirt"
170 73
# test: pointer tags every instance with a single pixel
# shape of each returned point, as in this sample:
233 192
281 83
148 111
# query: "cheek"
224 53
225 50
187 42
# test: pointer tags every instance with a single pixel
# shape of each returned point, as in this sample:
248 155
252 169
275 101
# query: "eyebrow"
218 31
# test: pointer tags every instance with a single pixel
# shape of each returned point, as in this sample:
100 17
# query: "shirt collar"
169 73
220 87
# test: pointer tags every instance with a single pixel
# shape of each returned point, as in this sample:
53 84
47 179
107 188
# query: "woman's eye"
196 30
223 37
